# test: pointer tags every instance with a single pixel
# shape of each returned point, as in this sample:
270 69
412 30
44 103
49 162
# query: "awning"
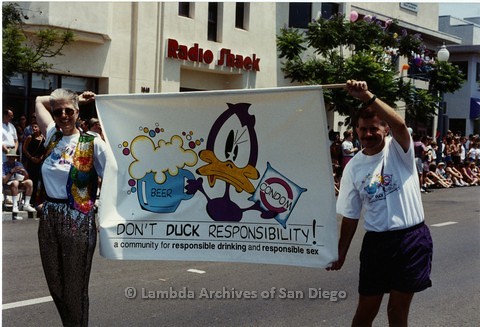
474 108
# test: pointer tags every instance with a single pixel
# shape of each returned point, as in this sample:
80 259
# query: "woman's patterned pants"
67 241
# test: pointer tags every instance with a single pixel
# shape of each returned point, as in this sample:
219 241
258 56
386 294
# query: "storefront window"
18 85
24 88
42 85
78 84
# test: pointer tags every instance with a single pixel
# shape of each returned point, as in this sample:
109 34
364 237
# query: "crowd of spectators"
458 166
22 154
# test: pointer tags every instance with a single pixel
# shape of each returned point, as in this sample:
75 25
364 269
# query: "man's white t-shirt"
56 167
386 185
9 136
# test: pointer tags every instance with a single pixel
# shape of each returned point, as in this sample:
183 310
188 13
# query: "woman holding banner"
67 231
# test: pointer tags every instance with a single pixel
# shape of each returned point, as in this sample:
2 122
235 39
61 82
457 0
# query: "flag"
232 176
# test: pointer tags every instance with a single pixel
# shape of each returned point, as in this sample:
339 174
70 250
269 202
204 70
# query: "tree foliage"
336 49
22 52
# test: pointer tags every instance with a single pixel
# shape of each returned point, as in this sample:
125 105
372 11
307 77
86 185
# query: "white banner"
239 176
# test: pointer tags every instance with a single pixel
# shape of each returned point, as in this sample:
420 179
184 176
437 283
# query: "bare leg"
367 309
398 308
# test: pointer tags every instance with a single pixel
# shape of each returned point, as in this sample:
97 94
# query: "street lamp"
442 55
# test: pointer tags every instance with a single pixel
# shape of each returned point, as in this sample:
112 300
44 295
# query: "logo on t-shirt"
62 156
378 186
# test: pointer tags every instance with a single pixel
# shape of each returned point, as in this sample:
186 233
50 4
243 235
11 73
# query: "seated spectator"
455 174
442 173
475 170
428 183
15 177
469 175
439 181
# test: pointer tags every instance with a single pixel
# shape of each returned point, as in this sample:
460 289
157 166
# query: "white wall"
426 15
127 44
258 39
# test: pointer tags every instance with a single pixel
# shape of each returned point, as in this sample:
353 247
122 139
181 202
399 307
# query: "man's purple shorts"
398 260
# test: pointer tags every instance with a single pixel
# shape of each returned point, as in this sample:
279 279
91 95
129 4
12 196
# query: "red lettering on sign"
172 48
256 63
182 52
194 53
197 54
239 61
247 63
208 57
230 60
223 53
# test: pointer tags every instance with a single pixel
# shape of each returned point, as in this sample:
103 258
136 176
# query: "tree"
24 53
317 56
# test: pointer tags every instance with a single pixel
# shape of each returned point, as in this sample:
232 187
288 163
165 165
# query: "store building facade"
157 47
463 106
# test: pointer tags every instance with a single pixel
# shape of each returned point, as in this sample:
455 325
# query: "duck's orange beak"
228 172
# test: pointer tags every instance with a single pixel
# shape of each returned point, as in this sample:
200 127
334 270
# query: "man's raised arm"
359 90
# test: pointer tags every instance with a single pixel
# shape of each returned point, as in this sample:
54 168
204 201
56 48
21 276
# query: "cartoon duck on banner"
230 155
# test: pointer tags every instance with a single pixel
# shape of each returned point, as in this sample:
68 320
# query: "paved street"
452 215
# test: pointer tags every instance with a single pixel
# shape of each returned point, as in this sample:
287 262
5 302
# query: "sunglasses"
59 112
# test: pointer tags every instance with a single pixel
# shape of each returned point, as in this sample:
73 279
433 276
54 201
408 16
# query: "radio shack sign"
200 55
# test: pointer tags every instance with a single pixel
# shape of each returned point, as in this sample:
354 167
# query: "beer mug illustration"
165 197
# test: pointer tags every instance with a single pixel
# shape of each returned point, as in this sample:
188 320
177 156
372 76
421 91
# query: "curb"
7 214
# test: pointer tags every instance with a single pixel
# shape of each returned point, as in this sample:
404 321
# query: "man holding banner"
397 248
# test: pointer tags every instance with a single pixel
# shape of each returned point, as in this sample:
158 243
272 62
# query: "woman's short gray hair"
64 94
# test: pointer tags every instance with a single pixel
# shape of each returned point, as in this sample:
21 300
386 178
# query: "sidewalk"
7 214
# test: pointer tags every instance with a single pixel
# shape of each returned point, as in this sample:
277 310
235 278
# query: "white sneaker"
15 209
29 208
